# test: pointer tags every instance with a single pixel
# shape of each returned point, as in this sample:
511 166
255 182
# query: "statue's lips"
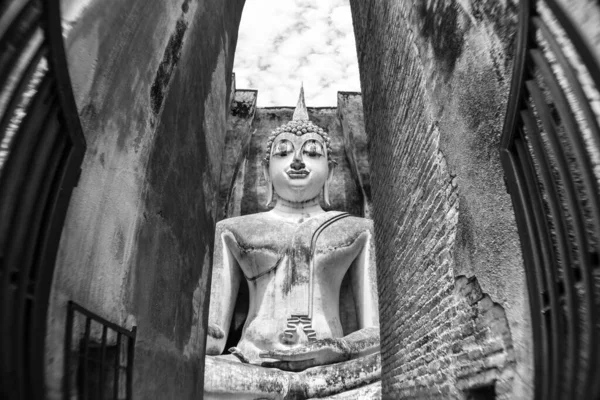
297 174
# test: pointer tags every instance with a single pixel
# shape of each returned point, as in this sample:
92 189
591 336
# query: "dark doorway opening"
487 392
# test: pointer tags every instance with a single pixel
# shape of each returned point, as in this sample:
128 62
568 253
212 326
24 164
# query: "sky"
283 43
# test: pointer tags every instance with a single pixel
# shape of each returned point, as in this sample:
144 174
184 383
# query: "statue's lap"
294 259
227 377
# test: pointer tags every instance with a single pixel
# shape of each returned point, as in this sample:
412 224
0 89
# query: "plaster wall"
152 81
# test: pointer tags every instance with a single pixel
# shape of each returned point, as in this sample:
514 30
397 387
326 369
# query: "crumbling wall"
237 144
435 79
151 80
352 121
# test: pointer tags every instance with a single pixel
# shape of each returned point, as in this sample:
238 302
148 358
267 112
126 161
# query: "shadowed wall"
152 81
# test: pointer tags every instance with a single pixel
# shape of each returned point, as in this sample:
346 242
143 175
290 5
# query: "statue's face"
298 166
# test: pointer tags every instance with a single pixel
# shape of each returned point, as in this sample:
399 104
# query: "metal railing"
550 153
101 367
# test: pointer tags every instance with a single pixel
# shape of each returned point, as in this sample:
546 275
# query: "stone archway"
152 83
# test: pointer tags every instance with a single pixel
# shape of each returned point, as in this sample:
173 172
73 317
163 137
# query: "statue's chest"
292 253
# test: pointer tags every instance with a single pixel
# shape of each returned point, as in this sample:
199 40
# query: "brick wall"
454 311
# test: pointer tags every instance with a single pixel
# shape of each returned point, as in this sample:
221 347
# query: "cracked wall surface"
152 81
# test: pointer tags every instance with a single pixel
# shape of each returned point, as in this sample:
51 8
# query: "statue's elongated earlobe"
326 193
265 167
269 194
332 165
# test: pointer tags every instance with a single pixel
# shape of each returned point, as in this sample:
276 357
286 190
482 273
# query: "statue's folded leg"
227 378
331 379
371 392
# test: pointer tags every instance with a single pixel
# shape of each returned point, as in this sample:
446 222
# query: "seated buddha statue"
294 258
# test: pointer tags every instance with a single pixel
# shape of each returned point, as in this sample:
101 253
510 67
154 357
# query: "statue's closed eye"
283 148
313 148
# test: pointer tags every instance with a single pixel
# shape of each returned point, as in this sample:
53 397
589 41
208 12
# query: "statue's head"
298 162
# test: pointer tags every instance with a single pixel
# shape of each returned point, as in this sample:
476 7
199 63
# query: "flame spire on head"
300 113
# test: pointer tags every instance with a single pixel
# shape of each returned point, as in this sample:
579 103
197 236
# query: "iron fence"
98 357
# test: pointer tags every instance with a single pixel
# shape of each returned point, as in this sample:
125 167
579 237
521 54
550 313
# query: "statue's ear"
265 168
332 165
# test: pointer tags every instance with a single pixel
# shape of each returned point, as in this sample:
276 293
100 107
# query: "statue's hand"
320 352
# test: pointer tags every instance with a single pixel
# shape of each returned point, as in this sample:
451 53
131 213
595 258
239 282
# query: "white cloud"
282 43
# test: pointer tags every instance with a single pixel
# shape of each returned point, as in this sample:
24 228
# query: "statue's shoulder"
365 223
356 224
244 224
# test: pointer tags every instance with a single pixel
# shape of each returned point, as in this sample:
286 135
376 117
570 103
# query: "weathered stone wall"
237 143
350 115
152 81
435 78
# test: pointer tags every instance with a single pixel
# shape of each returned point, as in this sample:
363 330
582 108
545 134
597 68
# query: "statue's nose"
297 163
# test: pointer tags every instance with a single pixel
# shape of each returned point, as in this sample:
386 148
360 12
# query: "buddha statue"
294 258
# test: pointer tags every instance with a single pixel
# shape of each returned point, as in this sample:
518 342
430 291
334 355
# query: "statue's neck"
302 209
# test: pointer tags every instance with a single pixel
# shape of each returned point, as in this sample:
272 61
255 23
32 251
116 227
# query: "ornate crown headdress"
299 125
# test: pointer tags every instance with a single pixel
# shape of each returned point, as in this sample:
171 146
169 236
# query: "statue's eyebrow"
322 143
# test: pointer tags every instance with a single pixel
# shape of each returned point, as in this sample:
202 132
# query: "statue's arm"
363 276
225 283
